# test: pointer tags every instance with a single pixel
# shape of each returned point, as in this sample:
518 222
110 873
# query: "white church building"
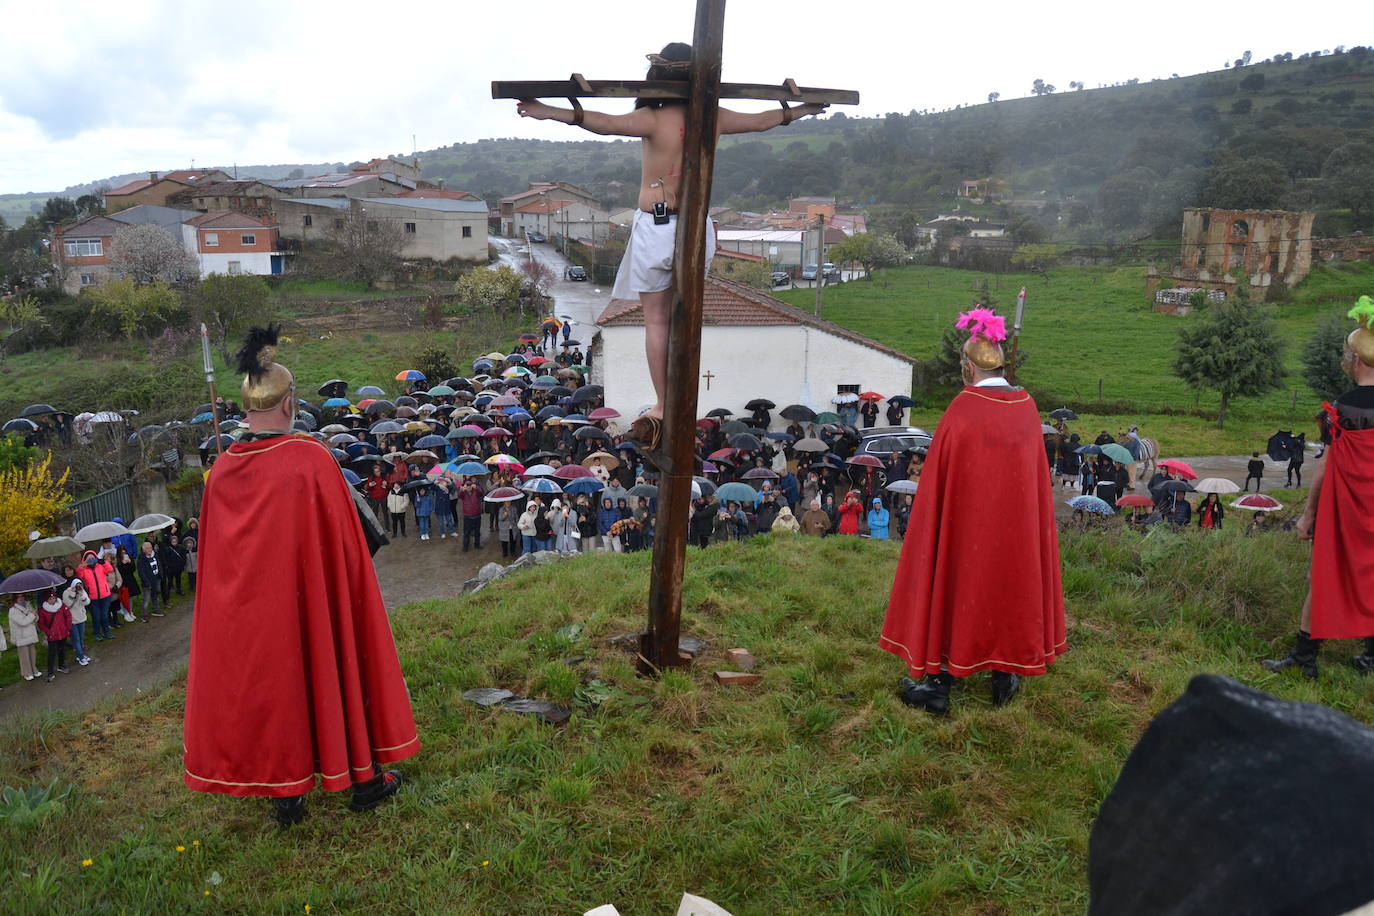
752 346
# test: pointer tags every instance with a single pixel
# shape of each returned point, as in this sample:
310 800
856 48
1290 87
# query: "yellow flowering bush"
29 498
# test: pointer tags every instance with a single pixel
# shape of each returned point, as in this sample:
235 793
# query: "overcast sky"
89 90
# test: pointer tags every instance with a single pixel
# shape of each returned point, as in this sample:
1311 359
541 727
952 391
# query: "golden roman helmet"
1361 340
265 381
986 330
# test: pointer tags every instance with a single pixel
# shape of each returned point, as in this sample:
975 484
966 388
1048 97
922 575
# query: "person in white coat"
76 600
563 520
24 635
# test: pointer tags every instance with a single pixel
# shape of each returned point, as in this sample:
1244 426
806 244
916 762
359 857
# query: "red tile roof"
229 219
544 206
132 187
191 176
435 192
93 227
733 304
740 256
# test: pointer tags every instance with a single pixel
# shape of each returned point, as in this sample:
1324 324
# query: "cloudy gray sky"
93 89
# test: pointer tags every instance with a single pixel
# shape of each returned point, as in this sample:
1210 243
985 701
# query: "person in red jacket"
470 495
55 620
850 510
376 487
95 573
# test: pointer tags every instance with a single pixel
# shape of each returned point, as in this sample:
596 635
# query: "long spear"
210 380
1016 332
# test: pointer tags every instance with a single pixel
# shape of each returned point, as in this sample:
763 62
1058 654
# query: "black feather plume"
247 357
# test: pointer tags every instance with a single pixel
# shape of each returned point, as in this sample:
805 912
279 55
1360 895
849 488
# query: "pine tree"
1233 349
1322 356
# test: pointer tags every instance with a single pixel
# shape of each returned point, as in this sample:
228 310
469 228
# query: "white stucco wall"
250 262
787 365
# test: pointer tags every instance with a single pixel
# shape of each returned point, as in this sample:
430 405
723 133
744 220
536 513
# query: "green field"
815 791
1089 324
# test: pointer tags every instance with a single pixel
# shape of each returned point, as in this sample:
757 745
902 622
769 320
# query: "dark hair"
676 51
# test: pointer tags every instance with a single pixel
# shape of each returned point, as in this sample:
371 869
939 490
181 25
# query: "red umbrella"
536 361
496 432
603 413
1258 502
870 396
718 454
571 472
1178 467
708 422
1134 499
867 461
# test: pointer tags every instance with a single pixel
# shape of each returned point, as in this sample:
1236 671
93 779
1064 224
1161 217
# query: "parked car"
830 270
575 273
781 278
809 272
881 442
535 237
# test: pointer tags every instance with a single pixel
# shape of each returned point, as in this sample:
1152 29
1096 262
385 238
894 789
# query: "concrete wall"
1262 244
250 262
438 234
787 365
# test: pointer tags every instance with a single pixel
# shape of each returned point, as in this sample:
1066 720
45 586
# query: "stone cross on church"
703 92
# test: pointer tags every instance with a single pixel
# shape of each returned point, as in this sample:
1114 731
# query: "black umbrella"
19 425
407 401
720 412
339 454
901 400
305 405
224 442
378 406
572 343
334 388
37 410
300 425
1063 413
707 486
644 489
746 441
760 404
307 420
734 428
590 432
799 412
31 580
417 484
583 395
365 460
559 391
1175 486
1281 445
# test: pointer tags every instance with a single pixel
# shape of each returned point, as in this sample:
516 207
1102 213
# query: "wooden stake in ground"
703 92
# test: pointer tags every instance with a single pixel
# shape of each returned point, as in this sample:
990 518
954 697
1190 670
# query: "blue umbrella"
472 468
352 478
739 493
371 391
1089 450
356 449
336 402
1091 504
431 441
575 418
541 485
584 485
206 417
550 411
342 439
782 437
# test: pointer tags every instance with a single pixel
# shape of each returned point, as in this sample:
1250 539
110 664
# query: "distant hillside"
1102 164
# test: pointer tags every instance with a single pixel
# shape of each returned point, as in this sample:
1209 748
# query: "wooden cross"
708 376
703 92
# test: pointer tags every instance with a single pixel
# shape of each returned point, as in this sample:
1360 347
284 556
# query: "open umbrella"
351 477
720 412
335 388
571 472
873 396
1089 450
1175 486
901 400
31 580
810 444
502 460
37 410
540 485
472 469
553 410
705 485
370 391
1063 413
571 343
1216 485
1134 499
417 484
901 486
799 412
503 495
865 461
827 417
1280 445
337 402
610 461
153 521
20 425
496 432
410 375
378 407
421 456
540 470
100 531
1119 453
759 474
760 404
1048 430
746 442
1178 467
53 547
1258 502
386 428
224 442
847 397
1091 504
584 485
736 492
644 491
591 432
431 441
603 413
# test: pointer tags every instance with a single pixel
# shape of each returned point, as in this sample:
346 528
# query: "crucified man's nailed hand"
646 271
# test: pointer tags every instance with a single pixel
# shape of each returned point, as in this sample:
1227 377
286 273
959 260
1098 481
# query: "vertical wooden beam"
659 646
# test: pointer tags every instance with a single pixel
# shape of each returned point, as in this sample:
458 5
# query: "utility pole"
820 255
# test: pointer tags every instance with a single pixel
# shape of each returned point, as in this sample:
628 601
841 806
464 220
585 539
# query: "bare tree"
362 246
149 254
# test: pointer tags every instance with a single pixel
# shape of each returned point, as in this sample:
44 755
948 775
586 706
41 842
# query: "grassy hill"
1088 324
815 791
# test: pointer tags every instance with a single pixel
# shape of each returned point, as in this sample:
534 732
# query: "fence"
116 503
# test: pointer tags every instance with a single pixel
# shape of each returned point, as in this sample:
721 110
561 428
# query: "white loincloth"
647 266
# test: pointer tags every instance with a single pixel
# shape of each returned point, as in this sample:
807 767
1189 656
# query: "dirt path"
145 656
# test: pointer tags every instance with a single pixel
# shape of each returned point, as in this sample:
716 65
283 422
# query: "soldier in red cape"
977 587
293 676
1338 516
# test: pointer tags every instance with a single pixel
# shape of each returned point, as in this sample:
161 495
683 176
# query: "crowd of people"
120 581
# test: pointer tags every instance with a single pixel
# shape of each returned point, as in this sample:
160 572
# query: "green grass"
815 791
288 291
1091 324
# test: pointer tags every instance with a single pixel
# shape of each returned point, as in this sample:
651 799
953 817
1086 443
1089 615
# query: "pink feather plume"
984 323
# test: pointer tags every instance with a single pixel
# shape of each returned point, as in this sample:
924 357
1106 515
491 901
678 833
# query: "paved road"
146 656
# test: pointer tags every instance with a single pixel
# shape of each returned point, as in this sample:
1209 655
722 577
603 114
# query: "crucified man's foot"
647 433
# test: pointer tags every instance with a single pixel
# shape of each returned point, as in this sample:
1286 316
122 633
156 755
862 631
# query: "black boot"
290 810
1004 686
1365 663
931 693
1304 654
368 795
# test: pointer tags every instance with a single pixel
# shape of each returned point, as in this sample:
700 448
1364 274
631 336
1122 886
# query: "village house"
557 218
783 248
409 170
440 229
247 195
350 184
1219 247
81 252
752 346
151 190
539 190
439 191
236 243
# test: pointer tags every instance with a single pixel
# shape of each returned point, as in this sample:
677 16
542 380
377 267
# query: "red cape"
978 584
1343 543
293 671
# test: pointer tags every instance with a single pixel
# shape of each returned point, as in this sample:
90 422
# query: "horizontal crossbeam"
665 89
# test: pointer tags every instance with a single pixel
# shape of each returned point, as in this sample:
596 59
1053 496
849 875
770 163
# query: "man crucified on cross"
646 270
